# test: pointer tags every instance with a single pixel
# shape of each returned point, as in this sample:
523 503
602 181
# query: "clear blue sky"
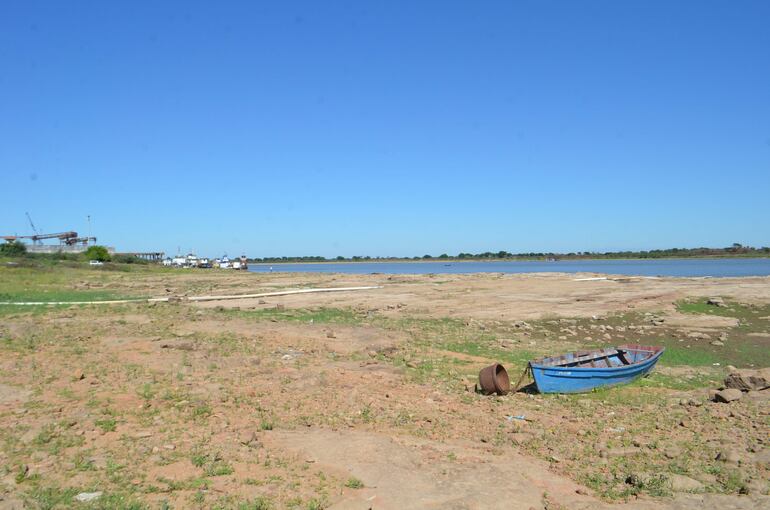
387 128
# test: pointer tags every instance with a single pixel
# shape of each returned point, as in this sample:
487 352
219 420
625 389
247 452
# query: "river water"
636 267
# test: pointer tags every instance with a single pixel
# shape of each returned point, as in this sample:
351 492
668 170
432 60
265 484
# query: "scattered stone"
169 447
261 302
141 435
697 335
182 346
620 452
681 483
78 375
672 452
728 395
85 497
247 437
763 457
713 394
330 334
747 380
716 301
717 343
730 456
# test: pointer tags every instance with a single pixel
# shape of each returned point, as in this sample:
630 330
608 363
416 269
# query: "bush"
99 253
125 258
13 249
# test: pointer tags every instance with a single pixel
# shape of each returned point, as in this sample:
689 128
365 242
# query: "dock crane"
69 238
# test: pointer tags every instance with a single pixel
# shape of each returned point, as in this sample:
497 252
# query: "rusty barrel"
494 379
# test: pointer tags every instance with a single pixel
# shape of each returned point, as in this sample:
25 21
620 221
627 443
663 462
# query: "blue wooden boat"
581 371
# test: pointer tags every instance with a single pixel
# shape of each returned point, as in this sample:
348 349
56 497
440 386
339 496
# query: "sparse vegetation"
187 396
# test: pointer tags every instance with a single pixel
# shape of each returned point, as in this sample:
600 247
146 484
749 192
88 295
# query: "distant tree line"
735 250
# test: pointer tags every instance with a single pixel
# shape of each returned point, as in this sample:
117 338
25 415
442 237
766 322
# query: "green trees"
99 253
13 249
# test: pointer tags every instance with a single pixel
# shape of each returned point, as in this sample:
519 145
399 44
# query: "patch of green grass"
199 460
354 483
305 315
51 498
697 356
218 468
107 424
202 410
258 503
316 504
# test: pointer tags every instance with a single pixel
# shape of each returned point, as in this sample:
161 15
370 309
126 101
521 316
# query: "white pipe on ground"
192 298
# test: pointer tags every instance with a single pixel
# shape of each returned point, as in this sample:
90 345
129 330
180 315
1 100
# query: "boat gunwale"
656 351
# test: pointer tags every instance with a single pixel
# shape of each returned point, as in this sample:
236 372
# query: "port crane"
70 238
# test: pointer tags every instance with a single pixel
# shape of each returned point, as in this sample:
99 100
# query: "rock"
330 334
182 346
621 452
729 455
261 302
672 452
247 437
763 457
747 380
78 375
717 343
697 335
728 395
716 301
85 497
754 487
681 483
713 395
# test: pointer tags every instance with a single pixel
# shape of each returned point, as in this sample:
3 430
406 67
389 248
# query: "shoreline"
461 261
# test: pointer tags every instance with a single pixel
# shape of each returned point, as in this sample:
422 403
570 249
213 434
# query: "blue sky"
387 128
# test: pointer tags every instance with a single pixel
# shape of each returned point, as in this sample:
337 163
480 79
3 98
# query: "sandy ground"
360 400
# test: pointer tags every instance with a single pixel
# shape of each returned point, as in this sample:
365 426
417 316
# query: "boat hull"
579 379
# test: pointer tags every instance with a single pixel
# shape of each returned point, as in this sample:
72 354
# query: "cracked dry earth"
359 400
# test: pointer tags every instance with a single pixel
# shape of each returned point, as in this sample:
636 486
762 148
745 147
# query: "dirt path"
402 473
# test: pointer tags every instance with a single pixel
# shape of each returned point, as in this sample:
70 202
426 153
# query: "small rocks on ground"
85 497
729 455
728 395
682 483
716 301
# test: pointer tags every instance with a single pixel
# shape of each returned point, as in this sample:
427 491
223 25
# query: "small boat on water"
581 371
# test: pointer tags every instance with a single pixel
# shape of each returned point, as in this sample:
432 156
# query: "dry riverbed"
361 399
